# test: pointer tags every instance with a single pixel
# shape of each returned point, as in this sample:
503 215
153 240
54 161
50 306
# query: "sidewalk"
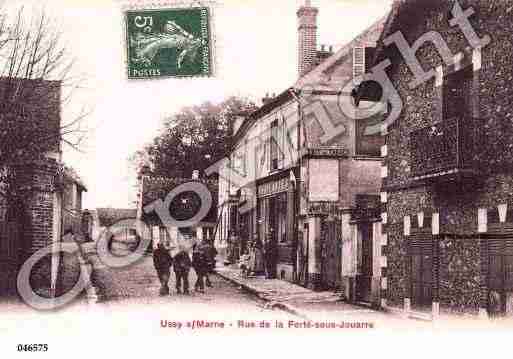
319 307
290 297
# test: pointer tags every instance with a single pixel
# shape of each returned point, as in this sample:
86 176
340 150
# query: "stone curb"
271 304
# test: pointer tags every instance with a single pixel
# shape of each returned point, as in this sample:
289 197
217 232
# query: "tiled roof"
155 188
109 216
339 65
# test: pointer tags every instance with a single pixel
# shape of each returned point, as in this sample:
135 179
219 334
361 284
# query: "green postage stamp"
168 42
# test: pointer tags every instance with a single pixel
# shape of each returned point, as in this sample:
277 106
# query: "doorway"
331 254
365 267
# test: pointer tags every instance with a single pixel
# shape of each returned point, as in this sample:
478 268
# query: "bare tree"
36 81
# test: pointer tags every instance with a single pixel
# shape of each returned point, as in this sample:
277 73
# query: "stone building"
52 194
118 220
448 169
304 172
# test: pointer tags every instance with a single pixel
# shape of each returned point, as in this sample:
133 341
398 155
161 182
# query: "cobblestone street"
138 285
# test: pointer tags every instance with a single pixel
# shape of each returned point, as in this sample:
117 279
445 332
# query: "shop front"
276 225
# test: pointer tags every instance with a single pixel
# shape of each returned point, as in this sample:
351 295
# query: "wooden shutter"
358 63
423 268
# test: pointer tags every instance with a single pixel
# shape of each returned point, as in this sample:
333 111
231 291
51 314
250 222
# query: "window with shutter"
282 142
421 260
358 63
274 152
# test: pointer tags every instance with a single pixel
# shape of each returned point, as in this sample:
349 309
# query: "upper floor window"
274 150
368 137
457 94
239 159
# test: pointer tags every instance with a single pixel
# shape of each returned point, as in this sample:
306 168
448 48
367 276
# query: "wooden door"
421 271
273 234
331 255
364 278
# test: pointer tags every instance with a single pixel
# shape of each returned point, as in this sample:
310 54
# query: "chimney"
268 98
307 37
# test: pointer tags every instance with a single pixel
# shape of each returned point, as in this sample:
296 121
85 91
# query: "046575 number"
32 347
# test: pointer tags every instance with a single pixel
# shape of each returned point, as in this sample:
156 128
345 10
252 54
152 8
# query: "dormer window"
362 61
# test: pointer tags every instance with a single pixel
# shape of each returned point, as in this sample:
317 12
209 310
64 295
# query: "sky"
255 54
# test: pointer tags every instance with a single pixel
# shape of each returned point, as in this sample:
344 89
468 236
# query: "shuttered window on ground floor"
421 262
497 254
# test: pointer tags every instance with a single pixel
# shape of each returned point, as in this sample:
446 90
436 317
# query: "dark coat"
162 259
182 262
199 259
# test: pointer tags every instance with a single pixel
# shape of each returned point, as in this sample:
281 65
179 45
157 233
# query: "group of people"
260 259
202 261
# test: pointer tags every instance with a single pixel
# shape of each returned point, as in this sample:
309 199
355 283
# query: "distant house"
119 220
174 227
72 214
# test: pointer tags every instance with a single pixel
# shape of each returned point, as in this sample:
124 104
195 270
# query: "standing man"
162 261
182 266
270 258
210 253
199 263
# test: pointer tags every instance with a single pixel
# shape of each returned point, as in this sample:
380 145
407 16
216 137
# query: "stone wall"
460 274
457 203
36 225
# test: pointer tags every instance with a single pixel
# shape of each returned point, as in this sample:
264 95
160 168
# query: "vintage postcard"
168 42
258 178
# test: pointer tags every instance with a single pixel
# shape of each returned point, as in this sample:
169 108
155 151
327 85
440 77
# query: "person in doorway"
109 242
182 266
257 265
269 258
162 261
